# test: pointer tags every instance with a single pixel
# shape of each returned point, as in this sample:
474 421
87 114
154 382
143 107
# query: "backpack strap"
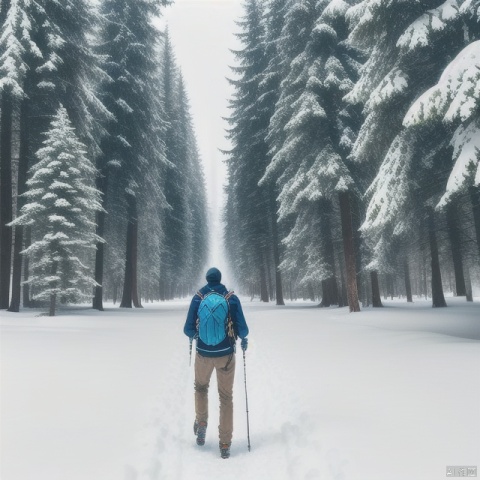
199 294
230 327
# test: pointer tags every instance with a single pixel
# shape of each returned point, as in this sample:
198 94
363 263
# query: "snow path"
385 394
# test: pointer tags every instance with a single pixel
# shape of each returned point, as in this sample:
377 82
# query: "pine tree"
454 101
20 57
11 66
249 157
62 201
196 213
177 236
404 58
134 144
311 133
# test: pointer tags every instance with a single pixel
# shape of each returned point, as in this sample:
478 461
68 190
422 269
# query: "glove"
244 344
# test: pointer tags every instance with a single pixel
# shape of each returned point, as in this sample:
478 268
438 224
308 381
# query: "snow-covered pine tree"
311 133
12 72
58 65
62 201
134 144
407 43
196 214
250 250
455 100
71 70
269 90
176 222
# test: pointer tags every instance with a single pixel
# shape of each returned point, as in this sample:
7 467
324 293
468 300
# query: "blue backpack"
213 318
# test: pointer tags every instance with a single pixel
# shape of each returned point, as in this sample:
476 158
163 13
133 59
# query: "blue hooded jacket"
227 346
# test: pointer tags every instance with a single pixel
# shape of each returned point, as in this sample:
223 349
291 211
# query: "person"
220 357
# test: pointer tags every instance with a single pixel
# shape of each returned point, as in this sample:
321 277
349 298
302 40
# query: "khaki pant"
203 371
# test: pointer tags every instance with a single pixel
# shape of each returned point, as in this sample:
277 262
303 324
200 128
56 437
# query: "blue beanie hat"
214 275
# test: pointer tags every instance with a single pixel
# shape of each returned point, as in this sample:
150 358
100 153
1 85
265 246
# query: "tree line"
102 191
354 167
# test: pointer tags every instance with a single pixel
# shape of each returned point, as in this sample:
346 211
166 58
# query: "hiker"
215 320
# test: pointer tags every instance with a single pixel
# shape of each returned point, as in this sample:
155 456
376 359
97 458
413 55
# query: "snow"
456 94
394 83
419 32
466 148
388 393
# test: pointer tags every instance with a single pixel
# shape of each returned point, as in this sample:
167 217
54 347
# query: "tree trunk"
21 188
376 298
276 249
349 251
269 277
135 297
26 268
263 283
438 299
454 234
53 302
408 284
468 284
128 280
329 285
5 196
343 298
115 293
102 186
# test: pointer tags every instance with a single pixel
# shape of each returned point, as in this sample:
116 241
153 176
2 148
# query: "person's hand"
244 344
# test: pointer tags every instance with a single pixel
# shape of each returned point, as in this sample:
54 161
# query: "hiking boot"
225 450
200 430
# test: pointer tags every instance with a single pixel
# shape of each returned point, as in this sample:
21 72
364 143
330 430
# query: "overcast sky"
202 32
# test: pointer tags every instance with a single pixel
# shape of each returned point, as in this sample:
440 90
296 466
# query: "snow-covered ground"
387 394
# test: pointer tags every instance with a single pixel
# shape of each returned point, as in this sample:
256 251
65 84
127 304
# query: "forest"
354 170
102 190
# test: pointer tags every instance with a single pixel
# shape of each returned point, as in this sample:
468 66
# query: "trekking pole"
246 399
191 341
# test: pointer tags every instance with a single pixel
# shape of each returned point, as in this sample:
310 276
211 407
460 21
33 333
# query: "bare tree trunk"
454 235
376 298
127 284
102 186
53 296
343 298
263 282
349 251
276 251
53 302
115 292
5 195
468 284
269 277
408 284
135 297
438 299
21 188
329 285
26 268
